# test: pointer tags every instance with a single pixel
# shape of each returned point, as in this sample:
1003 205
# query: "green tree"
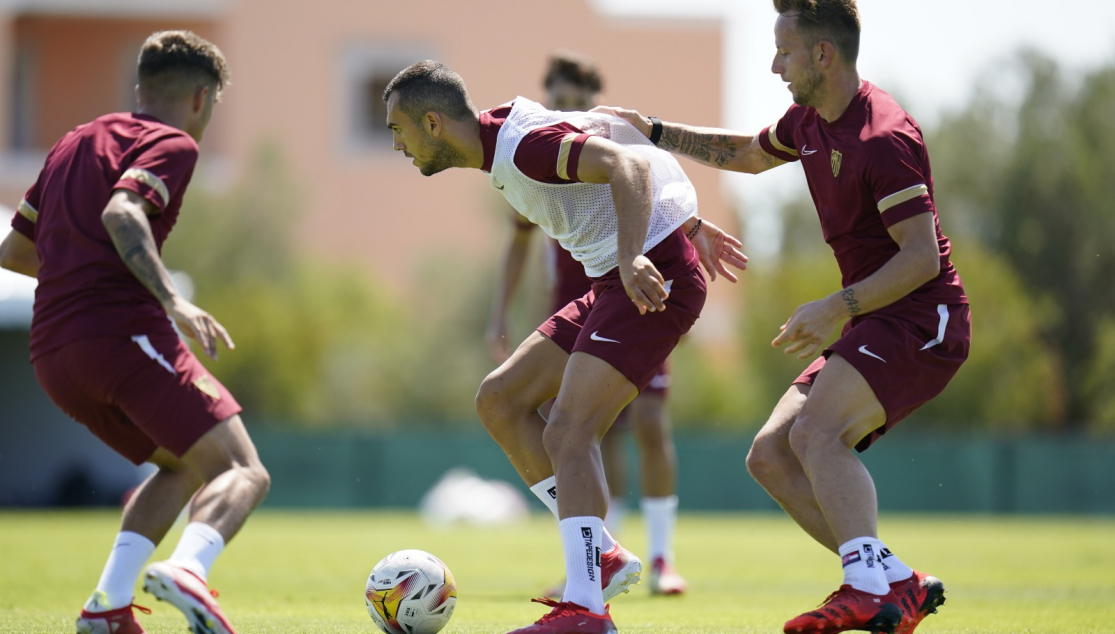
1033 180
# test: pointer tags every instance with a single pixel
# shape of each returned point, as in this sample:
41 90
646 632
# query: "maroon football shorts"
908 352
606 324
136 394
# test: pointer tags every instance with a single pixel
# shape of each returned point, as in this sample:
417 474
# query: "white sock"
581 538
617 512
198 549
863 569
660 515
546 491
118 580
894 568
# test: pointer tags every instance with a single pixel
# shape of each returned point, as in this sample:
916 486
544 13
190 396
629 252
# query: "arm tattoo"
849 295
715 149
136 247
767 159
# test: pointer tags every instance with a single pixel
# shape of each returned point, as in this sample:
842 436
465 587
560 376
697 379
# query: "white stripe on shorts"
149 350
943 311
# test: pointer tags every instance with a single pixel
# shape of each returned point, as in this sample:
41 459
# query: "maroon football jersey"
867 170
85 289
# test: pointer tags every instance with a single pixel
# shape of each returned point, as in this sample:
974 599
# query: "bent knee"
767 459
492 405
260 477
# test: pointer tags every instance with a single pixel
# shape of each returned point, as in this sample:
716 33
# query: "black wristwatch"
655 130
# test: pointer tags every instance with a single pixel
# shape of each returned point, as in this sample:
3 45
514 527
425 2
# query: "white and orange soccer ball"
410 592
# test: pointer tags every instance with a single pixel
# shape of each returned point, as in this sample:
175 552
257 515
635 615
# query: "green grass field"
295 572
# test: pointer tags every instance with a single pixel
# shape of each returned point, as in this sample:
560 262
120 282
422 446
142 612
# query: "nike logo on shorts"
596 337
864 350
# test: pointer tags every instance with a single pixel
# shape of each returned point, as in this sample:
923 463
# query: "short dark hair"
430 86
836 20
181 60
575 69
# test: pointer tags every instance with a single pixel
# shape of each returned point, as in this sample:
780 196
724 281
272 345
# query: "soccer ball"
410 592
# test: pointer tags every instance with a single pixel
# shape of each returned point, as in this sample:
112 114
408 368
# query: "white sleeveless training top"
582 216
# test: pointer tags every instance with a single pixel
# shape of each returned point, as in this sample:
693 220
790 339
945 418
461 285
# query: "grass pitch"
295 572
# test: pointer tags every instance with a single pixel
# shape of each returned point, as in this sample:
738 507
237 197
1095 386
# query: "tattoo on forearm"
716 149
849 295
137 249
767 159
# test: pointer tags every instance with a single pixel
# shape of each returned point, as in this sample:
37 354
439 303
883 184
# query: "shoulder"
887 122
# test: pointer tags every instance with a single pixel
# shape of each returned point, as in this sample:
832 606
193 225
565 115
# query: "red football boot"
849 609
187 592
664 580
118 621
917 597
619 570
569 618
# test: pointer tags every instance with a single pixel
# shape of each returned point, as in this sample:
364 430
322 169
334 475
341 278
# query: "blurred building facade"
307 79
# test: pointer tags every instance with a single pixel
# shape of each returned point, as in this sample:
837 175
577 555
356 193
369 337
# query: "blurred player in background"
909 328
628 213
572 83
91 230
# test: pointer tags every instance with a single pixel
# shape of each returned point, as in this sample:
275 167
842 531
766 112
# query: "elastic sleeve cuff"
148 193
24 226
575 148
767 141
907 209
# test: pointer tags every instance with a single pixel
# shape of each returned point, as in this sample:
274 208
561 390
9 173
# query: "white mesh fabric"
582 216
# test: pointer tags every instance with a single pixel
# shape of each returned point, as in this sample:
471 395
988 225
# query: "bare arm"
715 147
17 254
510 274
918 260
628 173
125 219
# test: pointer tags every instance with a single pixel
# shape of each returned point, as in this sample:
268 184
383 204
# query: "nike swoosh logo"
500 187
864 350
805 151
596 337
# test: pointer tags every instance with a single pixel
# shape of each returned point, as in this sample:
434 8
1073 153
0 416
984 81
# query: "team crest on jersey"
208 387
835 160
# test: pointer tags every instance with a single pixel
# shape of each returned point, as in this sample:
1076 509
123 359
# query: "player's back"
85 289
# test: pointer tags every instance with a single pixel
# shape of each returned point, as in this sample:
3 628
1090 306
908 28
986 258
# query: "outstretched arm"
17 253
715 147
511 272
125 218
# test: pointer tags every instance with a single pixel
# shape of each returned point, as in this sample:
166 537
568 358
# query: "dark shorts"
136 394
606 324
907 352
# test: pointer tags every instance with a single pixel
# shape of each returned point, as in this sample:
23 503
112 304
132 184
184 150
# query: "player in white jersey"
624 209
572 83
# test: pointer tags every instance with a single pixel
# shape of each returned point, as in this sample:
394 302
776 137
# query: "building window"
22 99
367 71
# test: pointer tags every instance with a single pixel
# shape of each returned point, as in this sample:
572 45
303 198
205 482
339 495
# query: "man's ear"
432 123
824 53
201 95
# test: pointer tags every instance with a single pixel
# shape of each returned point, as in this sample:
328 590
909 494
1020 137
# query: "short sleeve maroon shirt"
867 170
547 155
85 289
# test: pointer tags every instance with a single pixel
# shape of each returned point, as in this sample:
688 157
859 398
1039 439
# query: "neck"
467 135
839 94
174 115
